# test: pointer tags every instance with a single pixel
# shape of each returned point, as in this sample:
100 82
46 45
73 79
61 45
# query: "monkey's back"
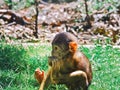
81 62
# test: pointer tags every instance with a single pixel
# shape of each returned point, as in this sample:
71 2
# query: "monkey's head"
63 43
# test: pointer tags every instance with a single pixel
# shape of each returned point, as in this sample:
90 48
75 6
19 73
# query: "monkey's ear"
73 46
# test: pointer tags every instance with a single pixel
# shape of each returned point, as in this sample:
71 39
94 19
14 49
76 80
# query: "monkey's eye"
56 47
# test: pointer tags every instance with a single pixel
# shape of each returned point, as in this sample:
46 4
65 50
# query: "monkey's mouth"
52 59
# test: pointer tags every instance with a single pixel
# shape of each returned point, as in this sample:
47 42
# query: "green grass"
106 67
17 65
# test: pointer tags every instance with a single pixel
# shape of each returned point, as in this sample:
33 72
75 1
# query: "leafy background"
104 16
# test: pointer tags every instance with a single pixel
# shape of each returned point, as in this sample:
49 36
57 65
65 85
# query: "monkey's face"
60 44
59 51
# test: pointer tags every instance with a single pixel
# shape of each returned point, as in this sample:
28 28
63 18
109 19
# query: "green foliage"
19 4
12 57
17 65
93 5
29 2
110 5
101 41
8 2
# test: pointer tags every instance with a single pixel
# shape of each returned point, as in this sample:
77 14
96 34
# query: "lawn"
17 65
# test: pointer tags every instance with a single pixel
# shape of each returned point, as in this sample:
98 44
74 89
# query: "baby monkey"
67 65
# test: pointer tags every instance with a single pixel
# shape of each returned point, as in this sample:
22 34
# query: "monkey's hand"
39 75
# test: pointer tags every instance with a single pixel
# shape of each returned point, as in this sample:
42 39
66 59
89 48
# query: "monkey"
67 64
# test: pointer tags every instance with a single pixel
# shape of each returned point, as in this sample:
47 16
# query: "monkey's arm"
46 81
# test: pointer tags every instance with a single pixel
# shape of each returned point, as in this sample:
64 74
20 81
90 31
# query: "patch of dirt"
67 17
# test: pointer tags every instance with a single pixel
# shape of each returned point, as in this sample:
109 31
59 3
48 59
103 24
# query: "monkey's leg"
76 80
79 79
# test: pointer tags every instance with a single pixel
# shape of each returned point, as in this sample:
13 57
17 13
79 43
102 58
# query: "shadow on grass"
17 67
12 57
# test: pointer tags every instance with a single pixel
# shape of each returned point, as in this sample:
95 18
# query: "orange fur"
73 46
39 75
